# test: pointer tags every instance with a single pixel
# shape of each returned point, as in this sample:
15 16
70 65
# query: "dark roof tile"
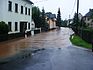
50 15
90 13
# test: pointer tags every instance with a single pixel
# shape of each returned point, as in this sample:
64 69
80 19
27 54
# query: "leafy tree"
44 24
64 23
83 24
39 18
75 20
74 25
58 18
36 16
78 23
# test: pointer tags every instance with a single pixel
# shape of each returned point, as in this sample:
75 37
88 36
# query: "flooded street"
57 54
55 38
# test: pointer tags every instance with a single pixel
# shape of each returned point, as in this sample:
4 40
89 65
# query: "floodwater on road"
58 53
53 38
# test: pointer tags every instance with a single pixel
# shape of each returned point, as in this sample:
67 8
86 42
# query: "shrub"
3 31
87 35
3 28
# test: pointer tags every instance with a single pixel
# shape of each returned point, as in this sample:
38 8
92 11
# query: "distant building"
51 20
88 18
17 14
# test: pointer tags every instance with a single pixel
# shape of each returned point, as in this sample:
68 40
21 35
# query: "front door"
23 26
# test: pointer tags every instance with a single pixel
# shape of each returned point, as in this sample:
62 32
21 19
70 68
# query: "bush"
3 31
76 40
3 28
87 35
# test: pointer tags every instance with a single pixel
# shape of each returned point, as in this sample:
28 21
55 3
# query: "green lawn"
76 40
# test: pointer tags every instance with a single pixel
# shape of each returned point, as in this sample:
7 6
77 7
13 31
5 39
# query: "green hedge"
85 33
78 41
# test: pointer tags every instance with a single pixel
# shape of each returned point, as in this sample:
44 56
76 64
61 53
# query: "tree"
76 23
36 16
44 25
58 18
64 23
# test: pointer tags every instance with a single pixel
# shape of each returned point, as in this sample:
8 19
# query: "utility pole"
77 9
77 16
69 20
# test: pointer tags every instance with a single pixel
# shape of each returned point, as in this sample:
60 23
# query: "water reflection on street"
58 53
53 38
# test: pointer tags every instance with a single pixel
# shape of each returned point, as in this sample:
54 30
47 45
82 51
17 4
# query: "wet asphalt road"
59 54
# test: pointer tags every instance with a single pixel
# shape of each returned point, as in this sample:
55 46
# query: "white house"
17 14
88 18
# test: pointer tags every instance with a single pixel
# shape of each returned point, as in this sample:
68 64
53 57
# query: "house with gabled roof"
88 18
18 15
51 20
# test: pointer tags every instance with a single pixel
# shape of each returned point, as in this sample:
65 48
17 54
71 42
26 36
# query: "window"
16 26
21 9
16 7
88 19
92 20
9 6
28 25
25 10
9 25
29 11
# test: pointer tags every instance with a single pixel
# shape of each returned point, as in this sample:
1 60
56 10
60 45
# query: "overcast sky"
66 6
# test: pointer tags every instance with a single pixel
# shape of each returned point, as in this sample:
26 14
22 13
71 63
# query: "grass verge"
76 40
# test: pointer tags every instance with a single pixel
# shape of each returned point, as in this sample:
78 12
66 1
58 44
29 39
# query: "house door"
23 26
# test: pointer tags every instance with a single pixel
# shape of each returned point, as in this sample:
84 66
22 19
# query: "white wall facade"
52 24
12 16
